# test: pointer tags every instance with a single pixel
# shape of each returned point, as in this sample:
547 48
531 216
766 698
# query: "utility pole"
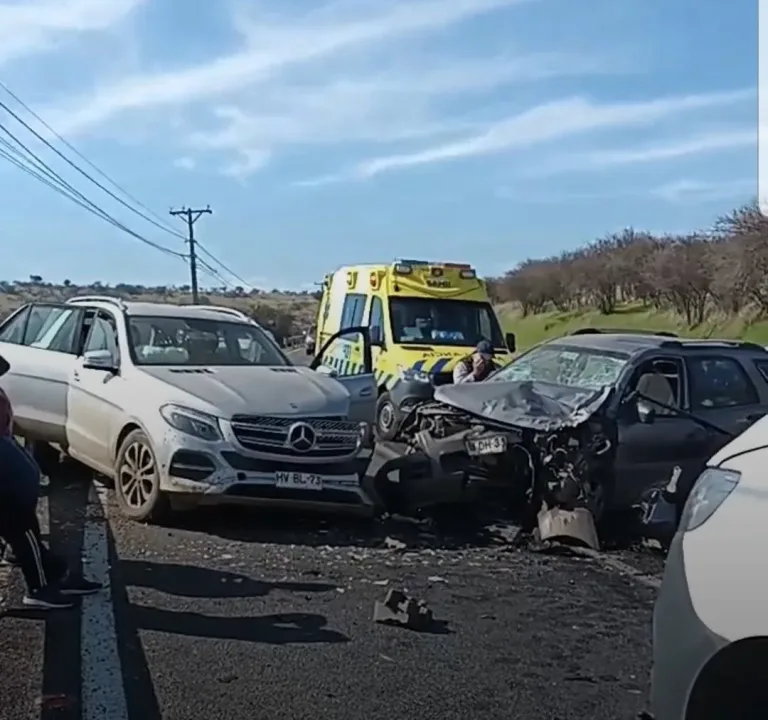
192 216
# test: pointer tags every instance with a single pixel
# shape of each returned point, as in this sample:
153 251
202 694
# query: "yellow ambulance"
423 317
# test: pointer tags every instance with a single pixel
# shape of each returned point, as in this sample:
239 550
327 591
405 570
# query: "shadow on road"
280 629
191 581
450 529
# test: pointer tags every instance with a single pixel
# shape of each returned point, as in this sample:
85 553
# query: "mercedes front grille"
333 437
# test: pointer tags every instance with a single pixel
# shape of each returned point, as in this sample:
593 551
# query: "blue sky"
361 130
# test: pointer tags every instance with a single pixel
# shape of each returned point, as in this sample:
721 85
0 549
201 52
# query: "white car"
710 626
197 405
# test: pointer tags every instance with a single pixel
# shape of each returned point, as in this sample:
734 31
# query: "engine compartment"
522 468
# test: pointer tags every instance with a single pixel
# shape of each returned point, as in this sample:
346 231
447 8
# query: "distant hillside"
286 313
291 313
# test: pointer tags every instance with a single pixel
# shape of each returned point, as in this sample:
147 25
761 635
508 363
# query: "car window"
41 319
201 342
13 332
719 382
662 379
62 336
352 312
376 319
103 335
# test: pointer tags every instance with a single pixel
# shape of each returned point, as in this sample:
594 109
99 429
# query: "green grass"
535 328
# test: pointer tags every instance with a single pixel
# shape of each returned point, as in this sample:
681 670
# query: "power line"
161 225
160 222
208 270
51 178
192 216
226 269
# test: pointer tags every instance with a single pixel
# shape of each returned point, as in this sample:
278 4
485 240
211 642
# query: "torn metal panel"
525 404
572 525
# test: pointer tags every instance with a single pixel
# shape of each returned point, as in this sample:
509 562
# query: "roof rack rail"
622 331
119 302
223 310
714 343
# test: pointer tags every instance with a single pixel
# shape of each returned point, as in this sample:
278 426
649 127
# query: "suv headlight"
407 373
709 493
192 422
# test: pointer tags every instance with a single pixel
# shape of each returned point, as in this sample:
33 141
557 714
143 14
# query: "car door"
39 342
346 352
648 453
376 327
361 384
722 393
95 404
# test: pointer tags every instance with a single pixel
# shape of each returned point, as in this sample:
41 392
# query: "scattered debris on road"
573 525
399 609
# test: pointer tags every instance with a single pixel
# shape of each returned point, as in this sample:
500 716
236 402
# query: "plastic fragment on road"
399 609
570 525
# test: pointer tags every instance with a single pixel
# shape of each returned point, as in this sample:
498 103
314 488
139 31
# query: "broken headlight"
709 493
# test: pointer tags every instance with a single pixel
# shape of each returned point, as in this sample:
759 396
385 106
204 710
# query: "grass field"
535 328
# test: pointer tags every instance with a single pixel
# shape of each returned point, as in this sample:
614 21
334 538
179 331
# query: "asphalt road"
252 615
299 356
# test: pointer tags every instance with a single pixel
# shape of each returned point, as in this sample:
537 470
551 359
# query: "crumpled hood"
257 390
524 404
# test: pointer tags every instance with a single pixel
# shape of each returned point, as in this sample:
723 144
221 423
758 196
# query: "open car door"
346 356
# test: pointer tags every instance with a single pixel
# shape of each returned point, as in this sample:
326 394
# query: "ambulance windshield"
462 323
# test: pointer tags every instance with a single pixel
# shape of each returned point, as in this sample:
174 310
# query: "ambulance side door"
347 350
375 320
322 330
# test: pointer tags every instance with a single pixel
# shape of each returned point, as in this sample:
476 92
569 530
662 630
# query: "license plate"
298 481
493 445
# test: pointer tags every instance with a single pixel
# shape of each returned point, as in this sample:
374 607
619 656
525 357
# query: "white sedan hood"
258 390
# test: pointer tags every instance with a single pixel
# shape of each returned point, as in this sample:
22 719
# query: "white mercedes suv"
187 405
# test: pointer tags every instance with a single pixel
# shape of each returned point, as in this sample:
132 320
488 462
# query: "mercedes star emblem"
301 437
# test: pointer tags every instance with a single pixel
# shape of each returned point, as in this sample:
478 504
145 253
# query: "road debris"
575 525
394 544
399 609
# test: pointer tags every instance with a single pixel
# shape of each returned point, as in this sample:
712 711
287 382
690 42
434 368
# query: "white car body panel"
86 409
725 557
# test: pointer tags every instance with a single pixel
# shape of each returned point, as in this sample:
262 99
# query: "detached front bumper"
404 480
194 472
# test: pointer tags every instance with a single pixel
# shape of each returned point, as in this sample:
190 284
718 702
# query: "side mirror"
99 360
646 414
511 342
325 370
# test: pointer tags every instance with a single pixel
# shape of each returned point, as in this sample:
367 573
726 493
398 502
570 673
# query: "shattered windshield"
565 365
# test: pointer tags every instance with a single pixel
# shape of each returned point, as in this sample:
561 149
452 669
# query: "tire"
388 417
138 500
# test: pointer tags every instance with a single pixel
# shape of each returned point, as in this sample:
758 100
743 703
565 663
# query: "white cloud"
34 26
270 48
548 122
383 108
698 144
695 192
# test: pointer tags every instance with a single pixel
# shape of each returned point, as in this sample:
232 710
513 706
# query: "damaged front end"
530 446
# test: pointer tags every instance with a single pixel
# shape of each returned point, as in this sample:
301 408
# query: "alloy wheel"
137 475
